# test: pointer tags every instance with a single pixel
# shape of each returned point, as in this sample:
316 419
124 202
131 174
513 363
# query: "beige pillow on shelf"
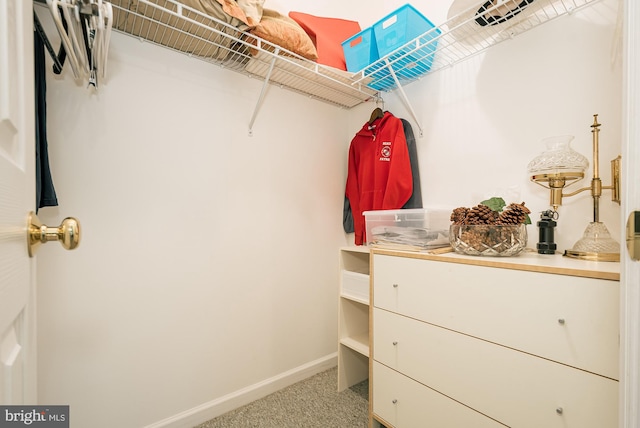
253 10
247 12
285 32
169 30
230 7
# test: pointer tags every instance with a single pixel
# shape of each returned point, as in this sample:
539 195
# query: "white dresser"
472 342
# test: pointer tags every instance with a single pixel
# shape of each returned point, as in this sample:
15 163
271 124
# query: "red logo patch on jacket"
385 152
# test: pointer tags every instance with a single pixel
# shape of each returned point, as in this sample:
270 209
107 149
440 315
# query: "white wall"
209 258
484 119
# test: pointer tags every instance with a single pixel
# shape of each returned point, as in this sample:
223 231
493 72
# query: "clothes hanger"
101 25
96 18
106 20
58 59
85 31
378 112
89 37
66 25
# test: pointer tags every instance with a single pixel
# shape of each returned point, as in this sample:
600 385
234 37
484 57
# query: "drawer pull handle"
561 321
394 401
559 410
395 342
395 285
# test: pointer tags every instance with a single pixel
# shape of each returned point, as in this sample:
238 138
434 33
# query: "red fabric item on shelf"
327 35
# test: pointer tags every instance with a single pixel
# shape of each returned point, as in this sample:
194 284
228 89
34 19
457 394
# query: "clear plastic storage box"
417 228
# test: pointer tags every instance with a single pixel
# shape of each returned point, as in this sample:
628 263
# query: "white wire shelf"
171 24
462 37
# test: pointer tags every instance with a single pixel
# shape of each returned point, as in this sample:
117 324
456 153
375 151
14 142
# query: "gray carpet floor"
313 402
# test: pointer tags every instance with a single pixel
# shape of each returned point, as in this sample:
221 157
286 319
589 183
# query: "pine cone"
481 214
459 215
514 214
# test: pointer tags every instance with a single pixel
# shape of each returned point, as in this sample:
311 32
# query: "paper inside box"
419 229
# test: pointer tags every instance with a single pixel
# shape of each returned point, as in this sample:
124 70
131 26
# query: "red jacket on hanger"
379 175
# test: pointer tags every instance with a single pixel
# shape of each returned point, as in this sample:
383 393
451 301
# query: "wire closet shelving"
171 24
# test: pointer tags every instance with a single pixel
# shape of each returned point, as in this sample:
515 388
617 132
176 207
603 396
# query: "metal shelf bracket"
263 92
404 96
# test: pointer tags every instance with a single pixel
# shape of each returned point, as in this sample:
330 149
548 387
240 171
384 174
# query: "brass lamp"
559 167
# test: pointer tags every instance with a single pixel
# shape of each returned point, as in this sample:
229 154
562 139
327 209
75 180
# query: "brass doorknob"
68 233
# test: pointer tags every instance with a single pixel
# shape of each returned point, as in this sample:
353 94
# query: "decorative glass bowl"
488 239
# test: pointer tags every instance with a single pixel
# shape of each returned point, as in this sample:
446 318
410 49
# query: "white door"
630 275
17 198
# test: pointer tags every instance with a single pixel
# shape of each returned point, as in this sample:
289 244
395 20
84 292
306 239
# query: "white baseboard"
224 404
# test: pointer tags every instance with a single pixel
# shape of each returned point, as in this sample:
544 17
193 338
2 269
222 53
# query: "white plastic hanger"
106 20
100 26
86 36
60 10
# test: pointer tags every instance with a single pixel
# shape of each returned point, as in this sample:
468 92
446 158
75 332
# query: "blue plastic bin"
399 28
360 50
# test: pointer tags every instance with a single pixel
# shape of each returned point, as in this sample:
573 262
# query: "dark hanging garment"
347 216
415 201
45 192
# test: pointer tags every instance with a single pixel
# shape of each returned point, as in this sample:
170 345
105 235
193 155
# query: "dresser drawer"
518 389
405 403
568 319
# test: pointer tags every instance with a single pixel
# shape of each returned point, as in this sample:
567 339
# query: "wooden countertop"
529 260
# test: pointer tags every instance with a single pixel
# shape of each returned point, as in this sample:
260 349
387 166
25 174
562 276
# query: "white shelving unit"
176 26
461 37
173 25
353 316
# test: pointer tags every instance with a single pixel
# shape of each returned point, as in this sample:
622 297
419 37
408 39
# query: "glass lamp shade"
596 244
558 159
